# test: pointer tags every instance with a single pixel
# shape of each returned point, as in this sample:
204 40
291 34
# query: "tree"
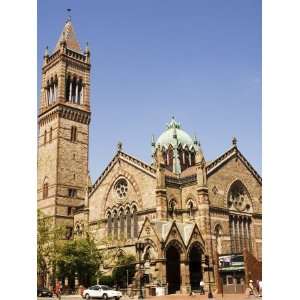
124 264
48 237
81 258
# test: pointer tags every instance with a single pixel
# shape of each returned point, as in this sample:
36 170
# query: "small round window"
121 188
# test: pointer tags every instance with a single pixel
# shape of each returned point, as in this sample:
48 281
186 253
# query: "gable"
141 180
225 173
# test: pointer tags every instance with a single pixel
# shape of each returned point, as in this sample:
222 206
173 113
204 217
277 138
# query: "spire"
68 36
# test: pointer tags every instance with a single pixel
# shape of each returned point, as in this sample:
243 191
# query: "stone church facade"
182 206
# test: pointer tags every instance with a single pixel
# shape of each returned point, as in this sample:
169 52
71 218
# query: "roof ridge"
138 161
216 162
112 162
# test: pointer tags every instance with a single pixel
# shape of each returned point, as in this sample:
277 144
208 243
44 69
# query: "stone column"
76 92
237 242
241 233
232 234
70 91
245 234
185 277
81 94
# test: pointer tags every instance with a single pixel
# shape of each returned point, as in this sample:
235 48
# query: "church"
182 207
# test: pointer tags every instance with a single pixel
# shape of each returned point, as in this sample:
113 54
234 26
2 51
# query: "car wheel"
87 296
117 298
105 297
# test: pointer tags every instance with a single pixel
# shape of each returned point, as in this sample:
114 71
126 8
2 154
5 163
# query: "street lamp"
210 296
139 246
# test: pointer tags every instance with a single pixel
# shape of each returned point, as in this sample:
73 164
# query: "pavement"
170 297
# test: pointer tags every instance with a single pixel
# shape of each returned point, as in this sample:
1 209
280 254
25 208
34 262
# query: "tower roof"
68 35
174 136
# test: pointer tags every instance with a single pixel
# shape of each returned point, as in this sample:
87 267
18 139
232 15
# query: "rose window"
121 188
238 198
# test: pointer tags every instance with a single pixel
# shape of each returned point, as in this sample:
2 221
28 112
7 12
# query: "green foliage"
119 274
106 280
48 237
81 258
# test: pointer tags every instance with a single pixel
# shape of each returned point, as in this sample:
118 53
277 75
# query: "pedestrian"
202 287
253 290
58 289
260 288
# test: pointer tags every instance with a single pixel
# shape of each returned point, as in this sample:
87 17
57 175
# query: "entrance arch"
173 269
195 265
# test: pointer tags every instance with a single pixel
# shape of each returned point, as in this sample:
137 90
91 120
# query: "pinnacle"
69 37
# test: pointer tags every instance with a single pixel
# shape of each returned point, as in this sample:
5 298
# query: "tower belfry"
63 120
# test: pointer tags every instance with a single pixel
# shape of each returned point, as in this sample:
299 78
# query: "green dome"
174 136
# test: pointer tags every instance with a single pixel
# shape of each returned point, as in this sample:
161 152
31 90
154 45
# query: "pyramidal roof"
68 34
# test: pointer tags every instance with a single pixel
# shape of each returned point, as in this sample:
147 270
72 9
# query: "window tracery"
121 188
240 205
122 222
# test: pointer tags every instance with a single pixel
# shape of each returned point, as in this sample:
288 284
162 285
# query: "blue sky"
199 60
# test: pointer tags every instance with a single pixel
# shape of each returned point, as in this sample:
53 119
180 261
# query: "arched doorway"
173 269
195 257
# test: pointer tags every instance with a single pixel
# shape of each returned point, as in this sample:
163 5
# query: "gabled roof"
163 229
127 158
222 159
68 35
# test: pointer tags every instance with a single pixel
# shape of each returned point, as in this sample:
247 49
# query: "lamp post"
139 246
210 296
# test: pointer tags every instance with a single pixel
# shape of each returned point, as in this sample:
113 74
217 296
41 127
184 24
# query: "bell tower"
63 122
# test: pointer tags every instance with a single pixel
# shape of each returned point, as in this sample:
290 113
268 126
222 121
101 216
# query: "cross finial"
69 16
120 146
234 141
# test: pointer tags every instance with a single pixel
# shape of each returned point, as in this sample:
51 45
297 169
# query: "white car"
101 291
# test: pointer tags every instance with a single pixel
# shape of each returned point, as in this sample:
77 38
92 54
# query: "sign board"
231 262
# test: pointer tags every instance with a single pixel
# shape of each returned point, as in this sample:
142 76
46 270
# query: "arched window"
68 89
73 90
135 222
109 224
128 221
45 190
190 208
192 158
115 225
73 136
172 208
122 223
79 92
170 158
50 135
239 221
45 136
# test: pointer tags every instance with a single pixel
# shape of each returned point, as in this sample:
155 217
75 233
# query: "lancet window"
240 233
74 90
51 90
122 223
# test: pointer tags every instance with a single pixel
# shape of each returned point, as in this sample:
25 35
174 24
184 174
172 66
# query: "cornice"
66 112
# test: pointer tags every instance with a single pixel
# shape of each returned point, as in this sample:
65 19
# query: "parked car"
101 291
44 292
